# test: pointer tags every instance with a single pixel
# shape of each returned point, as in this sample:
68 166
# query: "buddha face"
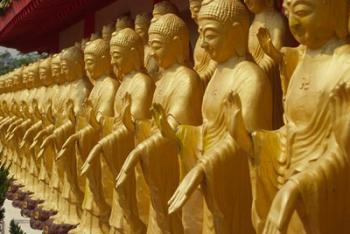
90 66
56 71
45 74
256 6
120 59
310 21
32 75
25 76
106 34
67 68
217 39
162 50
141 30
195 6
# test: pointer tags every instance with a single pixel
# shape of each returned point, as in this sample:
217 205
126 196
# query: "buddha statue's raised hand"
340 108
234 121
161 120
266 44
128 123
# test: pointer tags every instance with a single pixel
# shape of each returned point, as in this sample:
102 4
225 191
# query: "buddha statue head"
163 8
195 6
33 75
314 22
72 63
83 43
107 31
127 52
56 69
17 78
45 72
9 83
97 59
142 23
257 6
25 76
94 36
124 22
169 40
224 27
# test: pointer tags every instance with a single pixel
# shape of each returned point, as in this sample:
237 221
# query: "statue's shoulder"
110 84
343 52
188 75
250 70
144 78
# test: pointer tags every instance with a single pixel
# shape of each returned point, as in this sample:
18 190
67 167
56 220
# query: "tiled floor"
14 213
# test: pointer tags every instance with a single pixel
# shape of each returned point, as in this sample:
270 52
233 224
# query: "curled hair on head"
72 54
165 7
97 47
170 26
124 21
143 19
128 39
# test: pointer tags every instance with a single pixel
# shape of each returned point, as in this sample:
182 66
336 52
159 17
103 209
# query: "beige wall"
71 35
111 12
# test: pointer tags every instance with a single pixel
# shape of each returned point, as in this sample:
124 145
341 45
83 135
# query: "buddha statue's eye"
302 10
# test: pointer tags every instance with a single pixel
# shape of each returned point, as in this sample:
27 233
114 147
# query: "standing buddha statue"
302 171
98 105
222 170
267 16
135 96
178 96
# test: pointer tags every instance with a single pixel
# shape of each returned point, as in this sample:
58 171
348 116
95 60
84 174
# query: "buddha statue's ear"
240 39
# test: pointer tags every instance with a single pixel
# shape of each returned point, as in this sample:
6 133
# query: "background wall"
110 13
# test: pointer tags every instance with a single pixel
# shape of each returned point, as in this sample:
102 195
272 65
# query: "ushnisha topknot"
98 47
143 19
225 11
72 54
169 26
165 7
124 22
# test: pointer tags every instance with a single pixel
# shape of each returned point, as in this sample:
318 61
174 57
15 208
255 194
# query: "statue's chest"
124 88
218 89
164 90
311 81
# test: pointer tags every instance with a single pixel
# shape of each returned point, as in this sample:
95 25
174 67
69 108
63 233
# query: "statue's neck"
327 48
170 69
231 62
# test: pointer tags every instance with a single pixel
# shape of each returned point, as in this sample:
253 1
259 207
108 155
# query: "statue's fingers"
174 196
177 204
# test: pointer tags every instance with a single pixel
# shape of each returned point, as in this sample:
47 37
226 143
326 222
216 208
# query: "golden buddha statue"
270 18
88 131
124 22
142 23
107 31
178 96
203 64
138 88
224 26
57 97
163 8
300 172
70 101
